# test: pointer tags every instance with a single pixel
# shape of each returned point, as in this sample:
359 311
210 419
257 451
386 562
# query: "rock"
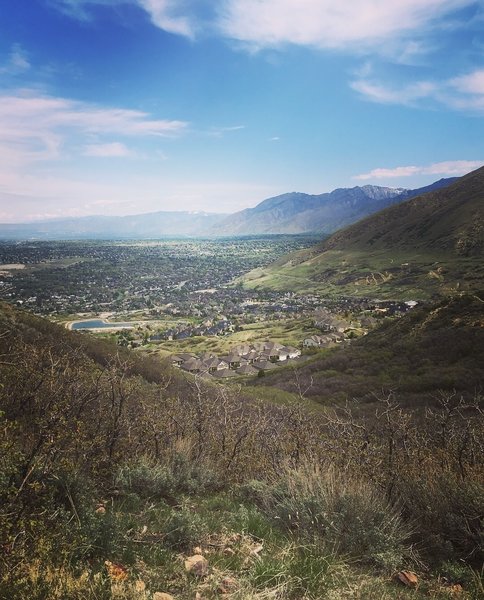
408 578
197 564
227 585
162 596
116 571
455 590
256 549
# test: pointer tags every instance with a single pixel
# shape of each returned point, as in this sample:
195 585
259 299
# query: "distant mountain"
428 245
325 213
291 213
149 225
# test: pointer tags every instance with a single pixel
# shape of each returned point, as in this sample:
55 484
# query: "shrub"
179 476
146 480
183 529
448 511
337 510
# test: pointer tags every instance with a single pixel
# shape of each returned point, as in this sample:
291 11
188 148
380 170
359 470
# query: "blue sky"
129 106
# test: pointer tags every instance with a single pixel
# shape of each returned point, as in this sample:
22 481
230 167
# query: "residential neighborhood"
243 360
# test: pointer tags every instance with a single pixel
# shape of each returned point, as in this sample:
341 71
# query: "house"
331 324
176 360
234 360
183 335
291 352
315 341
264 365
247 370
250 356
225 373
156 339
214 364
192 365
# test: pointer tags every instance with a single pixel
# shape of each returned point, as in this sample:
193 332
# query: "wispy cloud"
35 127
220 131
329 24
173 16
465 92
447 168
45 131
168 15
360 24
112 150
409 94
17 61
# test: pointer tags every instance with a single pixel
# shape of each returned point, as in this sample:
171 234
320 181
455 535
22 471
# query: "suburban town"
183 299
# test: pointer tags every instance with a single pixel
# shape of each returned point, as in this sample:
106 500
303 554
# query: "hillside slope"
426 246
433 349
447 220
117 481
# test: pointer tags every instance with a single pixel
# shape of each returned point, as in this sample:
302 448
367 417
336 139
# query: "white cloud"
447 168
471 83
42 138
36 127
405 95
172 16
464 93
112 150
220 131
359 24
166 15
328 23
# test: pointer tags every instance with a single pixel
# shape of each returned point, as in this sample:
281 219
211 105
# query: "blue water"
98 324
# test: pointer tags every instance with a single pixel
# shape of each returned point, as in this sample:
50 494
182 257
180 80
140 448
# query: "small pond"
99 324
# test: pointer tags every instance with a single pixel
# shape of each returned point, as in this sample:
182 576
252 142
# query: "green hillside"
122 479
427 246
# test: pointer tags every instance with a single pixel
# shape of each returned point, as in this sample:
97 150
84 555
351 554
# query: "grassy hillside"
449 220
115 473
427 246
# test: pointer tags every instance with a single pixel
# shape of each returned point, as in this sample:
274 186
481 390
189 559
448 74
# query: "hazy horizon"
118 107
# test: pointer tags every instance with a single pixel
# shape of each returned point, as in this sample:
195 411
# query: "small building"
247 370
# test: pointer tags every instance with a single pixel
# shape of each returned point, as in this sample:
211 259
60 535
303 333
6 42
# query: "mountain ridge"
425 246
296 212
289 213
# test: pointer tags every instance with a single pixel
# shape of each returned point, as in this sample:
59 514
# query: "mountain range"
143 226
428 245
292 213
323 213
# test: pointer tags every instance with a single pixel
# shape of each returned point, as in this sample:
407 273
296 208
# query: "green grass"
383 274
249 557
